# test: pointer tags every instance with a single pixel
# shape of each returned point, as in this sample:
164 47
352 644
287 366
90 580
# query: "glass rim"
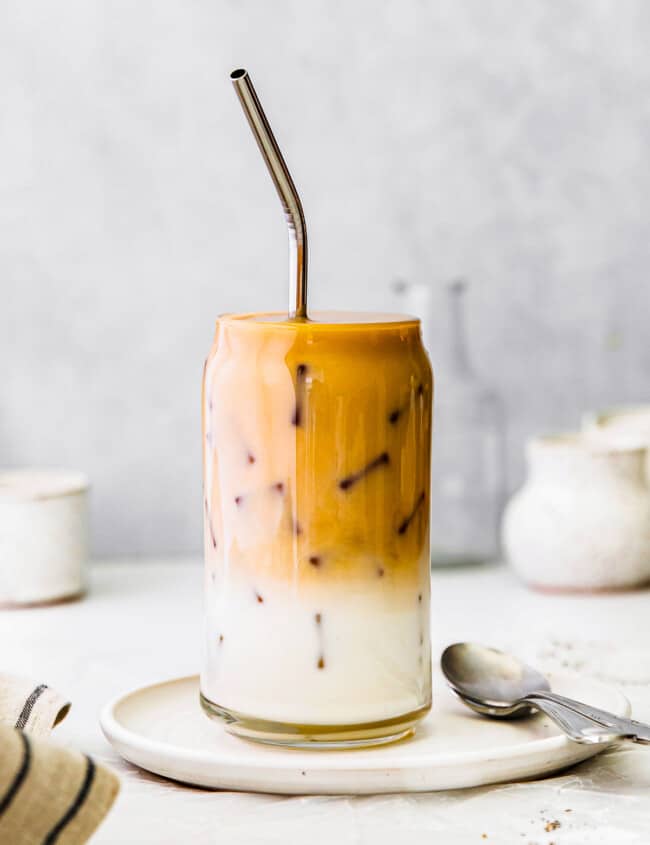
318 321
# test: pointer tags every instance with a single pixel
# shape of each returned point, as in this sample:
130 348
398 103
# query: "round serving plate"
162 729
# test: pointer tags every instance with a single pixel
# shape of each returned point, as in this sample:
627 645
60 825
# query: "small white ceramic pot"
43 536
626 427
581 522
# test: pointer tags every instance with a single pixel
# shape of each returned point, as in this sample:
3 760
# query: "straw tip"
240 73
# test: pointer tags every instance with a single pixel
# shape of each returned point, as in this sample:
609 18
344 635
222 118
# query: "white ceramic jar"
581 522
43 536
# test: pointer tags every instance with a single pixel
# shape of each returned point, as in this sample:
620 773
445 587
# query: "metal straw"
285 187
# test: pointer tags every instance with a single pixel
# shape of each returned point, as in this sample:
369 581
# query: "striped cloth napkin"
48 794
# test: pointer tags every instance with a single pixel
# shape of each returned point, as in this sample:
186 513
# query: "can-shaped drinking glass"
316 448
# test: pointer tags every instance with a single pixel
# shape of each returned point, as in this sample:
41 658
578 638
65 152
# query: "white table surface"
141 622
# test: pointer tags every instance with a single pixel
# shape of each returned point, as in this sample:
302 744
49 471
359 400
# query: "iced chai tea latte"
316 466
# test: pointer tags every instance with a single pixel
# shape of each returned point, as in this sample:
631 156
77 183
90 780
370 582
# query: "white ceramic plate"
162 728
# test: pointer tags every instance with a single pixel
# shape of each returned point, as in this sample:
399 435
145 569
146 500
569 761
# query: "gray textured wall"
508 141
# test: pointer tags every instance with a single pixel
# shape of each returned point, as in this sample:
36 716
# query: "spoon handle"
629 728
577 727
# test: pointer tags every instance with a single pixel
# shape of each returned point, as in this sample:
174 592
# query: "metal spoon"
496 684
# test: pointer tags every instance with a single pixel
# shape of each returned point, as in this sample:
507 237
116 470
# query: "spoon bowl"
490 680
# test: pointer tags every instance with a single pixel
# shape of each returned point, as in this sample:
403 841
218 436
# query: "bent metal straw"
286 190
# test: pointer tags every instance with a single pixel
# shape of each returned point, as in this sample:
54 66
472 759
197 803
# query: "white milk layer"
337 655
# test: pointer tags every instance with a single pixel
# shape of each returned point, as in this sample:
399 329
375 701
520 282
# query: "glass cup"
316 478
